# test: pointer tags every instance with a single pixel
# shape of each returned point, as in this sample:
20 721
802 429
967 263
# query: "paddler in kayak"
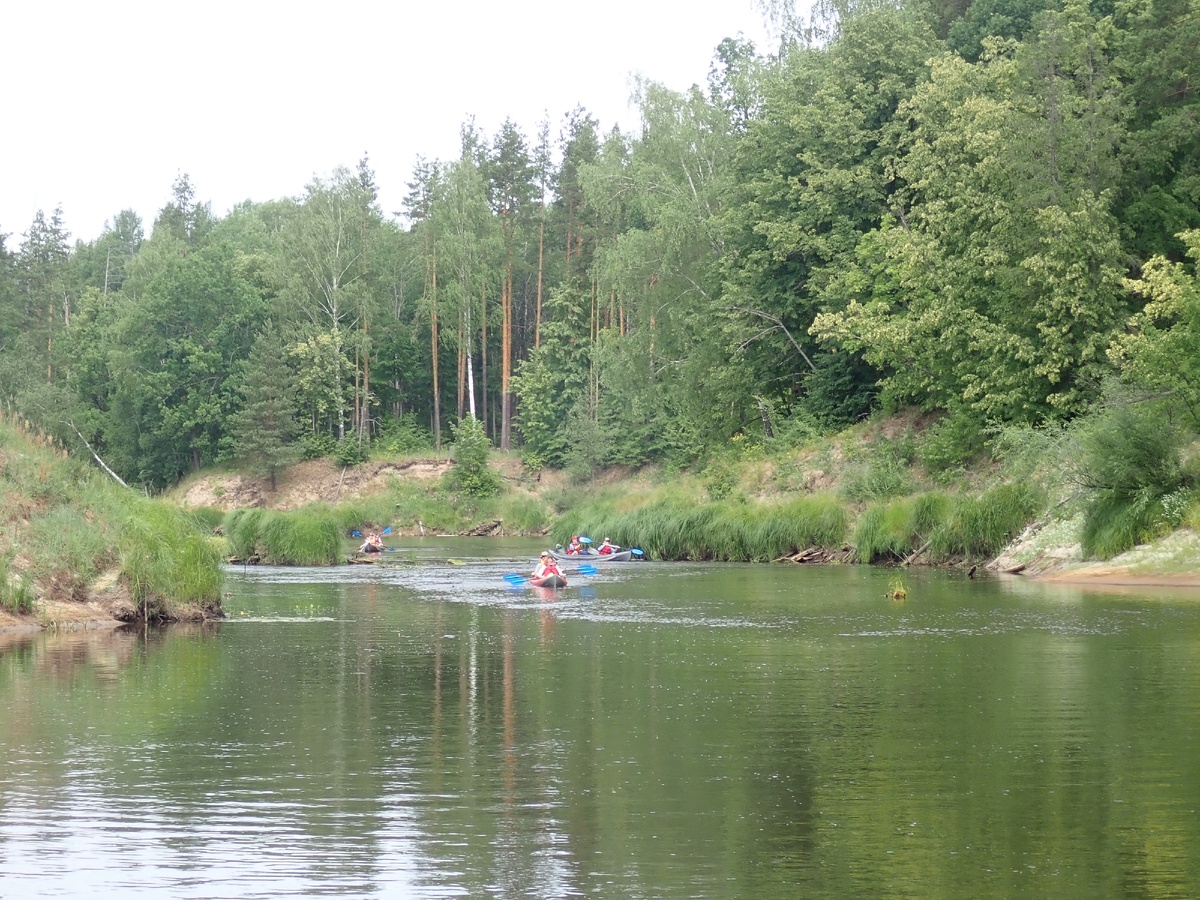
546 566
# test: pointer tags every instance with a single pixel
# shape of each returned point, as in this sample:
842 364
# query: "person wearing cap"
575 548
545 566
606 548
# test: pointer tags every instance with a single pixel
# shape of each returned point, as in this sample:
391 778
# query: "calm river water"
424 729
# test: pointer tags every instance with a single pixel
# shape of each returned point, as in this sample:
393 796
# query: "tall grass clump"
413 504
893 531
677 527
1113 524
1130 462
981 526
166 560
16 593
207 518
64 539
305 537
883 532
812 521
241 529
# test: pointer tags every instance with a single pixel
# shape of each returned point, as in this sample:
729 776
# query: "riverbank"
758 495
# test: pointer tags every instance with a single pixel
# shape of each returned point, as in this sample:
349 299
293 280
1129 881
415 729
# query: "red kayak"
550 580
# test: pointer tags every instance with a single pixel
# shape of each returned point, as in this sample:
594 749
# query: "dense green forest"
984 209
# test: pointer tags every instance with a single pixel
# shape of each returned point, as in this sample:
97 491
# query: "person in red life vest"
607 548
575 548
546 566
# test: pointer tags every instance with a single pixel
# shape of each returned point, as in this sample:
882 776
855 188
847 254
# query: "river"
422 728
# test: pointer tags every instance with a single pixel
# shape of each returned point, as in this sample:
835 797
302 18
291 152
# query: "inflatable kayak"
550 580
593 557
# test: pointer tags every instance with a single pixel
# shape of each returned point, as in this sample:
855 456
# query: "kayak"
550 580
620 556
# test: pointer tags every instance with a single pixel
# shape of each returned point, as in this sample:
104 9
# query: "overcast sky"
107 102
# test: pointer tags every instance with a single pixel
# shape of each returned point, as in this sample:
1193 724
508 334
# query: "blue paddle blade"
584 540
513 578
356 533
387 530
636 551
587 570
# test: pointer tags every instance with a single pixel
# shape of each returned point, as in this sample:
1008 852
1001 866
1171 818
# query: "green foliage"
265 427
1129 449
78 524
317 445
1160 351
471 475
978 527
1116 523
721 478
678 527
16 593
306 537
351 451
1130 461
894 530
166 561
402 436
878 470
949 444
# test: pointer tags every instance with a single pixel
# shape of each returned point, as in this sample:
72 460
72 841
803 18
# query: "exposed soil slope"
312 481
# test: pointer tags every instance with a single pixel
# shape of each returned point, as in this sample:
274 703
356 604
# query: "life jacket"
605 549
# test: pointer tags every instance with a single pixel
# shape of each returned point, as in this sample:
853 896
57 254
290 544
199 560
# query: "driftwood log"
484 530
845 554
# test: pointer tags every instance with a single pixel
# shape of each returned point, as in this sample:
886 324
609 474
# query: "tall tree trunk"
483 368
462 370
433 321
506 362
537 321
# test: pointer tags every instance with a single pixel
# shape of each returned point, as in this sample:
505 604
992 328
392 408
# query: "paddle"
584 540
355 533
636 551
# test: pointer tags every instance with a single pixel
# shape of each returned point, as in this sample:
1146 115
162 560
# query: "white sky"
107 101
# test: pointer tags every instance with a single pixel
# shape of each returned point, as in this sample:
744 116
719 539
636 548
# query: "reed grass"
893 531
979 526
677 527
166 560
307 537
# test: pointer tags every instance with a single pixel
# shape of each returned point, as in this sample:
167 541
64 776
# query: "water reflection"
425 729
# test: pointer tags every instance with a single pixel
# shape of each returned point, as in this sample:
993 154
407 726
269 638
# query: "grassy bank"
68 529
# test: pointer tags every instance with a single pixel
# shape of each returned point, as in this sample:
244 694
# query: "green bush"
471 474
1113 524
316 446
403 436
350 451
165 560
950 444
1130 458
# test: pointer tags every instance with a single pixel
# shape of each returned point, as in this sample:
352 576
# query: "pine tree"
265 427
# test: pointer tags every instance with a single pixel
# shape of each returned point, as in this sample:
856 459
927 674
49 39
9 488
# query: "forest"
987 209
